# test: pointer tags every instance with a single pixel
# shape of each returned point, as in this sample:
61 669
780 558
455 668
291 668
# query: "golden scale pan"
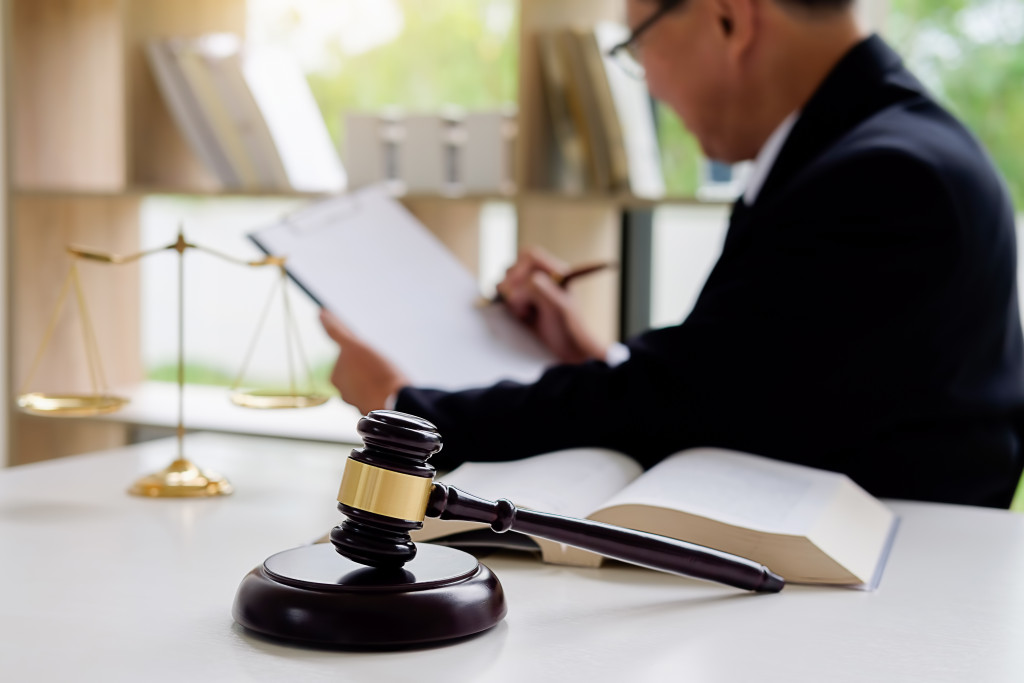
181 478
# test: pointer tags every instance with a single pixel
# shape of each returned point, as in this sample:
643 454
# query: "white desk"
97 585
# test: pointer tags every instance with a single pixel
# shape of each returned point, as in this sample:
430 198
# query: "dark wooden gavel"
388 489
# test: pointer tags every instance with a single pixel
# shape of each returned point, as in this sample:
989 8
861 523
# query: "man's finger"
544 261
336 329
547 293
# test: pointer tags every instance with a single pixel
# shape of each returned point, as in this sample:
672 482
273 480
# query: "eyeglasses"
627 53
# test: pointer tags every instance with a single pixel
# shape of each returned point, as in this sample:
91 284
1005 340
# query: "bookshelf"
87 137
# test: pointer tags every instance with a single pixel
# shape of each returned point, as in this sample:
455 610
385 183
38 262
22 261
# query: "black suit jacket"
862 318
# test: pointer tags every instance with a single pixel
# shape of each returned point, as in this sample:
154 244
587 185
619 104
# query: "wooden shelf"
617 201
140 192
620 201
91 138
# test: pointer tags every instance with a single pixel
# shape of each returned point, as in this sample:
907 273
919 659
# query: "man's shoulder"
921 149
906 159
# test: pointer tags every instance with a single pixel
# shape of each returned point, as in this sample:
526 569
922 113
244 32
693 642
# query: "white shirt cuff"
617 354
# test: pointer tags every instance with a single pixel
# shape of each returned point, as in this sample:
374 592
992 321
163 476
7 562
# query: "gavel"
388 489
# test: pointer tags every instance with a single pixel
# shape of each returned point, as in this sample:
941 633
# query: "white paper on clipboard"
366 259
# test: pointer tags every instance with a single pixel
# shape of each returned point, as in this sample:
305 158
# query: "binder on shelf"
450 153
365 149
487 162
429 152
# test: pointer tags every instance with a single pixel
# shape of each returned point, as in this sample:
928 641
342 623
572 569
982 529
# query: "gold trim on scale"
182 478
69 405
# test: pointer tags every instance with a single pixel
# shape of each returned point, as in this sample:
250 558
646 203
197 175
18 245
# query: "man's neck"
792 61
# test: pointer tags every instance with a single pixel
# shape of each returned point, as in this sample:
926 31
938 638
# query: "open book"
808 525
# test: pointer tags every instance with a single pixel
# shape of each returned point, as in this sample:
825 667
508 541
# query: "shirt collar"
766 158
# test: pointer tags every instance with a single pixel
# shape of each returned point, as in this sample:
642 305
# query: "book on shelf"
568 155
214 108
808 525
294 120
185 110
594 79
631 107
583 109
248 114
222 54
602 119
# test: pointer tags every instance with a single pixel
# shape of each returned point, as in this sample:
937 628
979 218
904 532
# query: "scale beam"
182 478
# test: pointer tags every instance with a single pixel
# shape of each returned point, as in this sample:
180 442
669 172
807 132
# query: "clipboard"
370 262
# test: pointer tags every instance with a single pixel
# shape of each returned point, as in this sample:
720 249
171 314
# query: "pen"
560 280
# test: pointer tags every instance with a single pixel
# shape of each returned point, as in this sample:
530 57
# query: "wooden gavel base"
315 596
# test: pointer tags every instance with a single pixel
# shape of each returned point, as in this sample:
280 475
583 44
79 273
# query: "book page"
573 482
735 488
365 258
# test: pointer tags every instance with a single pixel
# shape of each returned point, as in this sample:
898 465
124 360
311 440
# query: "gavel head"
385 489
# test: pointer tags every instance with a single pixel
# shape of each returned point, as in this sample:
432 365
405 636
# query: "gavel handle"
636 547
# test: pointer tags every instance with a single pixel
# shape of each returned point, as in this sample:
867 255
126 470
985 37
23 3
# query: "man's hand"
364 377
531 294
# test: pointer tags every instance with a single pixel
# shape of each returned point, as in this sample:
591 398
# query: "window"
358 55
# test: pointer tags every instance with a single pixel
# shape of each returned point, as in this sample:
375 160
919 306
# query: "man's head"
733 69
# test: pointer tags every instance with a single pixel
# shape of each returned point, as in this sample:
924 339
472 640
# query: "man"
862 316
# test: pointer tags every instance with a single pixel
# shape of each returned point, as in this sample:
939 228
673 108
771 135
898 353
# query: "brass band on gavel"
384 492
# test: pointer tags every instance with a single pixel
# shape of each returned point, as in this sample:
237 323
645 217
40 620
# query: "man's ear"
738 21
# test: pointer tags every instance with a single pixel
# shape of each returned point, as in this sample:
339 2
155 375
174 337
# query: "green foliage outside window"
457 52
970 53
680 154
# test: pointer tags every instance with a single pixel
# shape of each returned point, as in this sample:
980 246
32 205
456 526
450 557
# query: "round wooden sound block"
314 595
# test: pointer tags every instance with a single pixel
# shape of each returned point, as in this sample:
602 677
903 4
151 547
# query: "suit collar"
848 95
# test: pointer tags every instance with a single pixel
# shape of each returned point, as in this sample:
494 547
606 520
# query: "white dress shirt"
766 158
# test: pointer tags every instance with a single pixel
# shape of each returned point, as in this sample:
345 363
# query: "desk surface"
98 585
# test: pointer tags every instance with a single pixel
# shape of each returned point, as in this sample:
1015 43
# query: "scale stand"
182 478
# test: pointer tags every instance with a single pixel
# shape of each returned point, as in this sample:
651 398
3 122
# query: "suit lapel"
739 220
847 96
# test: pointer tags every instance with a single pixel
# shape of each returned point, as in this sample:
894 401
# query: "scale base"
181 479
314 596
